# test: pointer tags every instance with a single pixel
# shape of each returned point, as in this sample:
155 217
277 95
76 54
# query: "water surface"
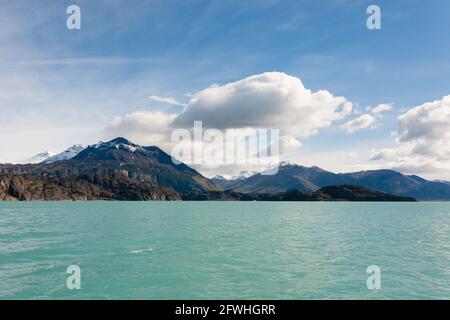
224 250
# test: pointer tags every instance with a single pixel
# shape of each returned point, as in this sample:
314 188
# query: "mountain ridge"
102 166
332 193
311 179
67 154
126 163
38 158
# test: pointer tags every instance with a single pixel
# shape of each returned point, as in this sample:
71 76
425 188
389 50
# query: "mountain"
443 181
49 157
292 176
355 193
230 182
66 154
333 193
397 183
141 163
118 169
223 182
121 170
288 177
244 175
37 158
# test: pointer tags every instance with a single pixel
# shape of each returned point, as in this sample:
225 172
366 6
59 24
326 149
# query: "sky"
345 98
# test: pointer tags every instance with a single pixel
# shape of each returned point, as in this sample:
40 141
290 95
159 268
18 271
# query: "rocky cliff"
94 187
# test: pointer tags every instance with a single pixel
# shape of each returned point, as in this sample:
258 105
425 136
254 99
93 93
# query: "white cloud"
367 120
289 144
168 100
268 100
382 108
427 127
423 140
142 127
384 154
361 122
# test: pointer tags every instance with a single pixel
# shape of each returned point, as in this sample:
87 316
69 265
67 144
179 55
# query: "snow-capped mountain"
227 182
118 143
220 178
50 157
114 170
37 158
286 163
67 154
242 175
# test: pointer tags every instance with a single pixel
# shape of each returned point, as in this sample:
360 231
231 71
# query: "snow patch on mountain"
244 175
66 154
287 164
37 158
241 176
118 143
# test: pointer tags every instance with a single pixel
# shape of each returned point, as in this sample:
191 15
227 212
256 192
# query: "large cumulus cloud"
268 100
271 100
427 128
423 139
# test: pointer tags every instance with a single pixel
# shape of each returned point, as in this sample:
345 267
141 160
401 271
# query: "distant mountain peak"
246 174
287 164
67 154
241 176
38 158
290 164
45 153
118 143
121 140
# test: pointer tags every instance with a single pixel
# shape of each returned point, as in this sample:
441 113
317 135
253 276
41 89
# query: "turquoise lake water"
224 250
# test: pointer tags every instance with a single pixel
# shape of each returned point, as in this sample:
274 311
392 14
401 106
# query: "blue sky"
60 87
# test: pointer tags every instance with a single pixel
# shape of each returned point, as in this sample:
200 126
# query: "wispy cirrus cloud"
168 100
